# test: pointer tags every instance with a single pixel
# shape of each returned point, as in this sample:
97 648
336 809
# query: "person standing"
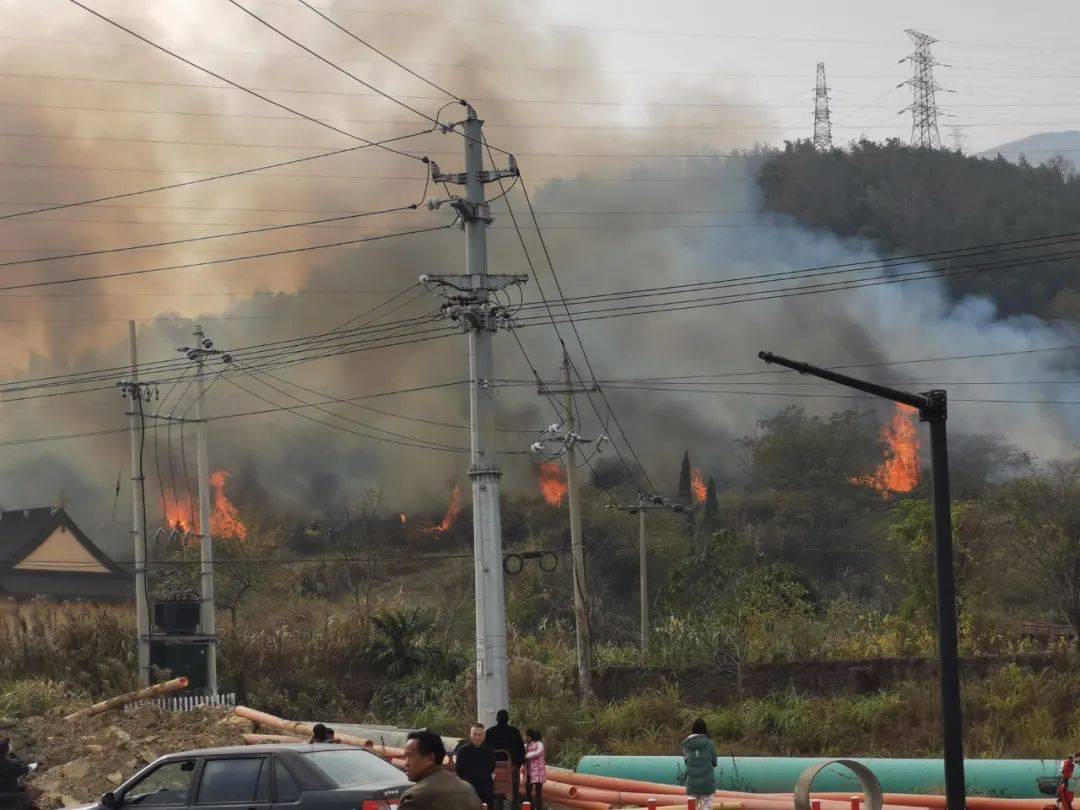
699 754
535 768
1064 795
475 763
435 787
504 737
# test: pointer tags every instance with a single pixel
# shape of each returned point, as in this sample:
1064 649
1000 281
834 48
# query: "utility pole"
643 504
468 301
822 122
207 615
582 635
923 107
137 392
566 437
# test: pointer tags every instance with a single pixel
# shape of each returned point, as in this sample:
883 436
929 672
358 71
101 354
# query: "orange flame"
452 512
552 482
225 520
900 470
697 485
178 513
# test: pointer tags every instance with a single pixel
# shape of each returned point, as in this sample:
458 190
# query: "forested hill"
916 200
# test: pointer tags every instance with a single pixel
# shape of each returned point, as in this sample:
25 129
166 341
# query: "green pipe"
1002 778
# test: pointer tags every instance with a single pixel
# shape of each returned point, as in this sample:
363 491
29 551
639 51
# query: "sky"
604 120
1012 69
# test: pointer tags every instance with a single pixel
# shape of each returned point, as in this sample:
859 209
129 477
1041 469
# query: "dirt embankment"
79 761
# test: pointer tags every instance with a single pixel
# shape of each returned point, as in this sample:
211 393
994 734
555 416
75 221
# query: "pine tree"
712 506
684 479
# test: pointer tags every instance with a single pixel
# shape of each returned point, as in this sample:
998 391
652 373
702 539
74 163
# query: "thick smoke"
304 464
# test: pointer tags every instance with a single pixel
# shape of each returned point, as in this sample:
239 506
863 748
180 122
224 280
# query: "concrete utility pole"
137 427
468 302
577 548
207 613
643 504
566 438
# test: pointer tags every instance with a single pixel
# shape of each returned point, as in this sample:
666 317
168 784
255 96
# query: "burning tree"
899 472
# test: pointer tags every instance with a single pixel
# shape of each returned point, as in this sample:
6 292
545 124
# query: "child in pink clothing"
535 768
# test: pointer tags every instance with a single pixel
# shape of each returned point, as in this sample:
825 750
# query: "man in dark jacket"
12 769
435 787
475 764
504 737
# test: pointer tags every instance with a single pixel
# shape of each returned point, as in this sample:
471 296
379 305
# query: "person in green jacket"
699 754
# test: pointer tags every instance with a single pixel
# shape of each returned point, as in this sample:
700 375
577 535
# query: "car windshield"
353 768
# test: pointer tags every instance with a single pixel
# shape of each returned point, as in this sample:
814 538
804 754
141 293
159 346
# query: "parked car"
292 776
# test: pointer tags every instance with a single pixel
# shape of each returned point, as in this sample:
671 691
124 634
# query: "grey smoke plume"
303 464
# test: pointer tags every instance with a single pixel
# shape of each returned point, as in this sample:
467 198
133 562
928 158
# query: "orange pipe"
560 794
613 783
259 739
292 727
146 693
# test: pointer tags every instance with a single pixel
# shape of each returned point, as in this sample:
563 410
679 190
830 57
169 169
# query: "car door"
166 787
286 786
234 783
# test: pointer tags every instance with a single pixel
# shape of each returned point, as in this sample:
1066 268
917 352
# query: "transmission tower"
822 123
924 109
958 139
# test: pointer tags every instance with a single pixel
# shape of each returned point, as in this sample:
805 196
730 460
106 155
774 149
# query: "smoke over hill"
693 219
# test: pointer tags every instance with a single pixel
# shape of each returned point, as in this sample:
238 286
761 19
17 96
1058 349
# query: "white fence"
185 703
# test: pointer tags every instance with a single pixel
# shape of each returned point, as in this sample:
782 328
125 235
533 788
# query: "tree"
912 531
685 478
1044 514
399 644
712 506
244 565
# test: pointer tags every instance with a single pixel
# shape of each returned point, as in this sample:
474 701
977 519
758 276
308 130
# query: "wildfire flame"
452 512
900 470
697 485
552 482
225 520
178 512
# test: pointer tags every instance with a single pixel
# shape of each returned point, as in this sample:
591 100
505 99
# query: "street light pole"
933 408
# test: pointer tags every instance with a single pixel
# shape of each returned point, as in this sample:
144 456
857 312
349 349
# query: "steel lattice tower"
924 109
822 124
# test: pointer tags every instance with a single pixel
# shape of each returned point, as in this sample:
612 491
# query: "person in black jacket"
475 763
12 769
504 737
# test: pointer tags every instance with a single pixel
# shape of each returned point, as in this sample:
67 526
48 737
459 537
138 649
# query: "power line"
208 262
170 186
239 86
383 54
207 237
329 62
223 417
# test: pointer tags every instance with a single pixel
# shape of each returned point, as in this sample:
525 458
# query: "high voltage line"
694 288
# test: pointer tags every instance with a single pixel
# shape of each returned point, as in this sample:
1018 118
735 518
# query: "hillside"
909 200
1039 148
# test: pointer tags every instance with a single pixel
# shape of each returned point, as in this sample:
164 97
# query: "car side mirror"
109 800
